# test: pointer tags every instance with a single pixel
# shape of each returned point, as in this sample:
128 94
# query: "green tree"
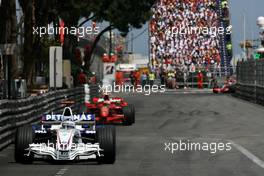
71 12
8 32
121 14
36 13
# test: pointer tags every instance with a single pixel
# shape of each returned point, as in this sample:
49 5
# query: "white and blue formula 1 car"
66 137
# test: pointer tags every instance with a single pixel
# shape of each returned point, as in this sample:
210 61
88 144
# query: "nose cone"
64 139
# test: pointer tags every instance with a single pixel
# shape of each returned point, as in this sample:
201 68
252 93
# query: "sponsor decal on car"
59 117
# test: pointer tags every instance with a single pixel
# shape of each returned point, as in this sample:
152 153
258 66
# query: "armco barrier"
250 81
94 90
251 93
91 91
246 92
15 113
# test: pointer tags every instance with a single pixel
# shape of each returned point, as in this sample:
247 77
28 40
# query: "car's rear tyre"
23 137
128 115
106 137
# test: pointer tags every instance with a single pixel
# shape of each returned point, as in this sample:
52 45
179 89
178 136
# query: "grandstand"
190 32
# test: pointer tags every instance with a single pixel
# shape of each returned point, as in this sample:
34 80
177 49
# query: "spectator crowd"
177 51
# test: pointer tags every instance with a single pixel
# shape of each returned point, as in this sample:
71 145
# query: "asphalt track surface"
170 117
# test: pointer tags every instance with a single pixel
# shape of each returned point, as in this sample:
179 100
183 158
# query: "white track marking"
61 172
185 92
248 154
240 148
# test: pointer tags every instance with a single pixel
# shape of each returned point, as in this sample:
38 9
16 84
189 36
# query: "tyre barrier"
15 113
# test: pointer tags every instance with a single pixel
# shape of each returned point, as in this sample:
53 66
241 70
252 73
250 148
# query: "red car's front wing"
117 118
110 119
221 90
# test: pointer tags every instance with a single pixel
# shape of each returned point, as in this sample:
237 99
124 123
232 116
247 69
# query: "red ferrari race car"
223 89
110 110
228 87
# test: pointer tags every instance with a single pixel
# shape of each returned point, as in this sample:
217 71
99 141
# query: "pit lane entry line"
248 154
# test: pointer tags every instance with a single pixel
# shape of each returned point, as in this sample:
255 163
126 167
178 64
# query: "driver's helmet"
67 120
106 97
67 114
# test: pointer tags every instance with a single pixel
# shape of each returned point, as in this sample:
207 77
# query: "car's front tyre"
23 137
106 137
128 115
132 108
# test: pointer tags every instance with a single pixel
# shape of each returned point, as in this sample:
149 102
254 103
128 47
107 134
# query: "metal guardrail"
94 91
251 72
15 113
251 93
250 81
191 79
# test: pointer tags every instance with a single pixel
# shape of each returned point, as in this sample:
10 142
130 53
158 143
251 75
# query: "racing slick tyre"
128 119
232 89
23 137
132 108
106 137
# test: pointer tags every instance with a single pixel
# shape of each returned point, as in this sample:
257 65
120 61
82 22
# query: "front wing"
80 152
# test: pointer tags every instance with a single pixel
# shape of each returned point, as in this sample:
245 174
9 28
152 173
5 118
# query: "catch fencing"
250 80
191 79
15 113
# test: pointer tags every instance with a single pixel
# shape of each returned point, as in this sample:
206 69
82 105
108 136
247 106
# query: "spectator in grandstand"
185 75
162 78
132 78
137 78
226 11
217 69
224 4
119 78
151 78
200 80
92 79
229 48
209 78
214 82
171 79
144 78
